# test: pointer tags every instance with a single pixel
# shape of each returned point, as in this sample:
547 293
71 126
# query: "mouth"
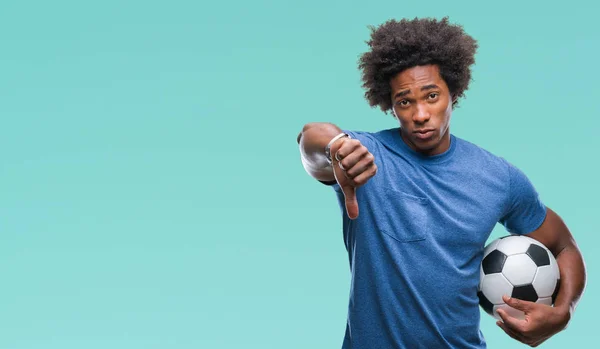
424 134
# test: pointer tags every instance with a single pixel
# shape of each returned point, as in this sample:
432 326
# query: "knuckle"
355 142
338 145
373 170
336 152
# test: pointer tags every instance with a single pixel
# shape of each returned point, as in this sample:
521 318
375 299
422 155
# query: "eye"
433 95
402 103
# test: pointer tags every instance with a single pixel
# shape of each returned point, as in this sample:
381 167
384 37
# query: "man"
420 203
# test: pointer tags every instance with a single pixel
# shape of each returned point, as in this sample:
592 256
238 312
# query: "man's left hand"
540 323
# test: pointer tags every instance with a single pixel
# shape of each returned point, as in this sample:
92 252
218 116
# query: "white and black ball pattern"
520 267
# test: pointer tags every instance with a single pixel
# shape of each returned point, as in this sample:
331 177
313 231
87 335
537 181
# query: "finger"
509 332
361 166
351 202
339 172
351 156
511 322
524 306
365 176
344 148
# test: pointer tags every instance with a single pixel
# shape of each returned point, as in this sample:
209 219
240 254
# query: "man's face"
423 105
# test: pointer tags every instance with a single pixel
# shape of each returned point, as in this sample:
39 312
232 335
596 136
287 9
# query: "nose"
422 114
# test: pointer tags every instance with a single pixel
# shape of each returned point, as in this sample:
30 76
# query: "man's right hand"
353 166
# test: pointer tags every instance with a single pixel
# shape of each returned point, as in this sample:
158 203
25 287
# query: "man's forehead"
416 77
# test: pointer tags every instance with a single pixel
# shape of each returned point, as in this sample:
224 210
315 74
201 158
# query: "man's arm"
541 321
352 163
312 141
555 235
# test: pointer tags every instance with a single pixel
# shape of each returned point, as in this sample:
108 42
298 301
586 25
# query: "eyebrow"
407 92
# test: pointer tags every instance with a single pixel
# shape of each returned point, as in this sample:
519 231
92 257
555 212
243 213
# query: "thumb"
351 202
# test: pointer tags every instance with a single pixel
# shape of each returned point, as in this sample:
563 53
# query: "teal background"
151 190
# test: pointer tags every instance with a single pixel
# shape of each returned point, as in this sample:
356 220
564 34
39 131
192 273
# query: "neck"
442 145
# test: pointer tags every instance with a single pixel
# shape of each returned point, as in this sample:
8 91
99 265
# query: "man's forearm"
572 278
312 141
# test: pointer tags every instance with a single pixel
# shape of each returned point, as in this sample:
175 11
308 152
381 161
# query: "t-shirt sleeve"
367 139
524 211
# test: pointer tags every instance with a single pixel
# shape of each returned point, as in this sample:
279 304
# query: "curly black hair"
399 45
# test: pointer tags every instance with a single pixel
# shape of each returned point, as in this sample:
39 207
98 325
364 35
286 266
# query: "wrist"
331 142
564 313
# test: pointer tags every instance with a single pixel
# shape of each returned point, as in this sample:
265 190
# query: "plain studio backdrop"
151 190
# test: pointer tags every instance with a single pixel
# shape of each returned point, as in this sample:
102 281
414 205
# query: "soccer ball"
519 267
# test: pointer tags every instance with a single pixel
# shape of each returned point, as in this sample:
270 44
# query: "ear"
454 98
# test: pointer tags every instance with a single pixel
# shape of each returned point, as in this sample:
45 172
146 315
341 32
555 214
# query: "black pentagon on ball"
526 293
538 254
485 303
493 262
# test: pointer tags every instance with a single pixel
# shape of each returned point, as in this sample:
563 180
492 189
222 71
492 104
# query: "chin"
426 147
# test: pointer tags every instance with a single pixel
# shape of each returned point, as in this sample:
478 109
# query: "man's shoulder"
475 149
377 134
480 157
382 136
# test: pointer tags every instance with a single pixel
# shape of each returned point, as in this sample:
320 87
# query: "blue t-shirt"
417 244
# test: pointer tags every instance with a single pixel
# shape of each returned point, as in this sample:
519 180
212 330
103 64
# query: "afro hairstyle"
398 45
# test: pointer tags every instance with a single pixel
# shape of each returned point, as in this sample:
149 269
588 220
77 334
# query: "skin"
421 100
542 321
353 166
352 163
